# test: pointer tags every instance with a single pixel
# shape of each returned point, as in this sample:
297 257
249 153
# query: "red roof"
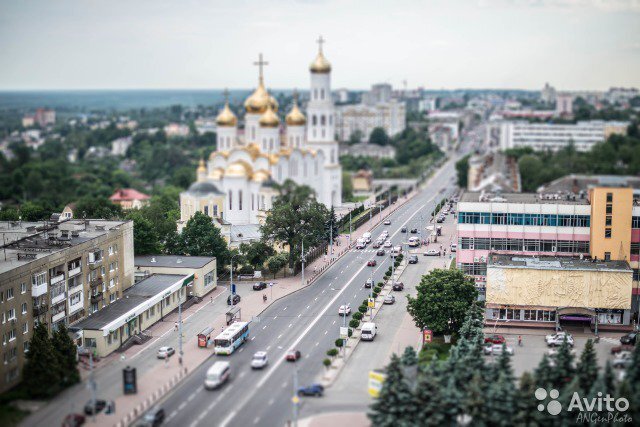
126 194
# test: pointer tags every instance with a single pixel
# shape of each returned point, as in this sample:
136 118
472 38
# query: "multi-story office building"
601 224
57 273
364 118
548 136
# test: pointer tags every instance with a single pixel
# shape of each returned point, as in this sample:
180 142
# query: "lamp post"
302 258
349 228
231 278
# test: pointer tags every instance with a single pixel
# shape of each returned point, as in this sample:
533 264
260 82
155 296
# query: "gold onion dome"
295 116
217 173
320 64
260 175
226 117
237 169
259 100
201 166
269 119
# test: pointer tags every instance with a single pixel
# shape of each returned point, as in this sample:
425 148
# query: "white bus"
231 338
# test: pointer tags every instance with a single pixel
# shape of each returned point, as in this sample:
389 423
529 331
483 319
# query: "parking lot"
527 357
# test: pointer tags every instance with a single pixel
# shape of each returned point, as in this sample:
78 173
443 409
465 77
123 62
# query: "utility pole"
180 353
302 259
349 228
295 396
92 386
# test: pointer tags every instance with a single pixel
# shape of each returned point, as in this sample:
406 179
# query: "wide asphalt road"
306 320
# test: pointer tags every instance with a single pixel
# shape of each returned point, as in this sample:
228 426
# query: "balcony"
76 306
57 279
37 290
58 316
96 283
75 271
97 298
60 297
73 284
40 310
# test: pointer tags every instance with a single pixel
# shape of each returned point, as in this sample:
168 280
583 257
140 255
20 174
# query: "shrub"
365 302
354 323
246 269
377 289
349 332
333 352
381 284
375 294
326 363
363 309
340 342
386 277
357 316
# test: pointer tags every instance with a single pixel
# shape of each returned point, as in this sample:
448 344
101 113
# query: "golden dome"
320 64
285 151
260 175
202 167
226 117
295 116
259 100
269 119
253 149
217 173
238 169
273 159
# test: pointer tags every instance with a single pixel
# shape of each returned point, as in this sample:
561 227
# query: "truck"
369 331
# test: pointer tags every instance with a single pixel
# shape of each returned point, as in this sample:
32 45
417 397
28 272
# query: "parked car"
558 339
376 245
622 360
165 352
494 339
403 230
413 259
387 244
432 252
368 283
292 355
496 349
372 263
389 299
90 408
154 417
258 286
73 420
233 299
259 360
344 310
454 247
387 222
440 219
381 252
629 338
311 390
398 286
624 347
414 231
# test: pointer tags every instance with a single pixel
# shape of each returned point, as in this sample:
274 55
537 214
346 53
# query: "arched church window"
321 93
239 199
322 120
314 120
253 205
230 200
333 155
315 93
330 119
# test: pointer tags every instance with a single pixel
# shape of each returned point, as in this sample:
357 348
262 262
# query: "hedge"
333 352
354 323
363 309
339 342
357 316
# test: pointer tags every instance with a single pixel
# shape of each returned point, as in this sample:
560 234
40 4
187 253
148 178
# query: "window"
12 335
9 294
607 256
635 222
206 210
24 308
112 283
25 346
239 199
25 328
607 221
208 278
11 314
112 297
230 200
110 250
607 233
635 248
215 210
609 197
609 209
23 288
39 279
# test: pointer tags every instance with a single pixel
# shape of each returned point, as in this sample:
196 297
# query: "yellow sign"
371 303
376 378
295 399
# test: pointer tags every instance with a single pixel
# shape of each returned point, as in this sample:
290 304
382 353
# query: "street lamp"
302 258
231 278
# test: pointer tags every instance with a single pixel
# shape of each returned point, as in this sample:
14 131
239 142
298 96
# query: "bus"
231 338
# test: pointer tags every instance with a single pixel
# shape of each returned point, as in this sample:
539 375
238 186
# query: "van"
361 243
414 242
367 237
454 247
396 251
217 375
369 330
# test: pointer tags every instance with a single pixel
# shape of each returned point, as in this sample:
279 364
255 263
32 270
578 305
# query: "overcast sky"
98 44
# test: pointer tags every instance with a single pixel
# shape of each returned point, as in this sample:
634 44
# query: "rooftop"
128 194
575 184
24 242
521 198
131 298
172 261
555 263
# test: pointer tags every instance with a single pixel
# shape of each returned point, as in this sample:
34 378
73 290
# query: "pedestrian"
264 298
212 299
175 326
315 268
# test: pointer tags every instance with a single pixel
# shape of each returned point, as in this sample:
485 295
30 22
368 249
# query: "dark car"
440 219
154 417
398 286
293 355
311 390
258 286
90 409
73 420
376 245
403 230
494 339
380 252
372 263
368 283
413 259
233 299
414 231
629 338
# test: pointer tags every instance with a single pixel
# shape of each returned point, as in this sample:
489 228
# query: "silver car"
165 352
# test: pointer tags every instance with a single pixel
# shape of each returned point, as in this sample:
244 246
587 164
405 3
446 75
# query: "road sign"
427 334
344 332
295 399
371 303
376 378
233 288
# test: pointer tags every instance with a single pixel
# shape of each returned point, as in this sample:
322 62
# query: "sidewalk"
160 379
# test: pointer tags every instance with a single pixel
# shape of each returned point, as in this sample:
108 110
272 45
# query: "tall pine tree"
587 369
66 352
563 368
41 372
393 407
409 357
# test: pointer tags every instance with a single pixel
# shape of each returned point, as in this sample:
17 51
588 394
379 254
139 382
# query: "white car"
387 244
558 338
454 247
165 352
344 310
259 360
389 299
622 360
432 252
496 349
387 222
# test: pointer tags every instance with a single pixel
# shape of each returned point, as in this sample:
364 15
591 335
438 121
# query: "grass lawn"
436 348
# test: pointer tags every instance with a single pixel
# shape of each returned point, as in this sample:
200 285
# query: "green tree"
31 211
393 406
41 370
476 400
66 353
587 369
409 357
526 404
379 137
146 240
201 238
97 208
347 187
277 262
442 301
333 225
563 367
256 253
355 137
427 396
462 169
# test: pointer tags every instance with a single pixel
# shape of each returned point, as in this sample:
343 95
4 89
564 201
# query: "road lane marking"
334 322
275 317
241 350
308 307
284 309
317 343
268 347
279 336
299 314
325 332
253 338
256 420
228 418
315 299
290 324
271 401
182 405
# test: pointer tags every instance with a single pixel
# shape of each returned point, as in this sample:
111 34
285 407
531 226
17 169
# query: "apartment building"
600 223
57 273
364 118
549 136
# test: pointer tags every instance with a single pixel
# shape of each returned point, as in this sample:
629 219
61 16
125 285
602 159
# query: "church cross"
226 95
320 42
260 63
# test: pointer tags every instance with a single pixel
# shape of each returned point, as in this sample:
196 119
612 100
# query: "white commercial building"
391 116
548 136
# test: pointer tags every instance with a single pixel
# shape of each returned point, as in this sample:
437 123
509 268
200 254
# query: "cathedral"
236 186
